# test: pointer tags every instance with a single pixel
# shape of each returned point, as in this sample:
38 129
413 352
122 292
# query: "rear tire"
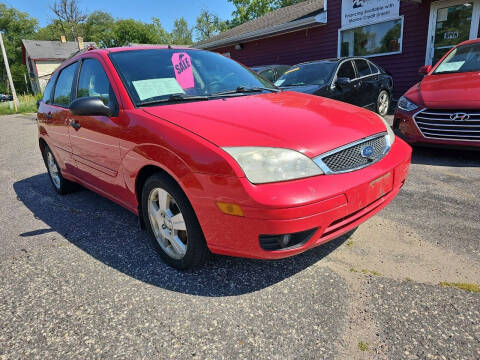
173 226
383 103
61 185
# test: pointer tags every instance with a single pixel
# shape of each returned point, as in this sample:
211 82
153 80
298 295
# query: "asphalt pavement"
80 280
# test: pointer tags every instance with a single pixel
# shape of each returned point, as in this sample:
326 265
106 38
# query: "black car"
357 81
271 72
5 97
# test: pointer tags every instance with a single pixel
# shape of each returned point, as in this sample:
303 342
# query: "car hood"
306 89
451 90
309 124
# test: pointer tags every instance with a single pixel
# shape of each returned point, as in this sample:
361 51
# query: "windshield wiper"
175 98
243 90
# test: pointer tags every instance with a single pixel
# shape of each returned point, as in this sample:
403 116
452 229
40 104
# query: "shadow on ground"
111 235
445 157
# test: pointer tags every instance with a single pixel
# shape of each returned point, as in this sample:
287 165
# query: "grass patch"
371 272
363 346
463 286
350 243
27 104
353 269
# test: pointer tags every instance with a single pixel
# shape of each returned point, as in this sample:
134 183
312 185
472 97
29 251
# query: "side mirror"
38 103
89 106
424 70
343 82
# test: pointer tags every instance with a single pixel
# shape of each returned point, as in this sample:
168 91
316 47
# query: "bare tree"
69 14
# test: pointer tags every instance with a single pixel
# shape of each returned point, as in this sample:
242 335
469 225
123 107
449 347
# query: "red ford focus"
444 108
211 156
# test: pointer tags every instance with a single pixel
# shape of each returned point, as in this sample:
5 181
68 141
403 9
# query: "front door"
346 93
94 139
451 22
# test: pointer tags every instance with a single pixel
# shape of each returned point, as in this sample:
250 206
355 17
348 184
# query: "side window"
63 89
93 81
374 68
362 68
268 74
47 93
346 70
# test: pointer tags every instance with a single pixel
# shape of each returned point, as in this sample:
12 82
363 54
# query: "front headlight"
391 134
266 164
405 104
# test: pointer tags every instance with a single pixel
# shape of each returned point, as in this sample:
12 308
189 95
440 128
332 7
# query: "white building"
43 57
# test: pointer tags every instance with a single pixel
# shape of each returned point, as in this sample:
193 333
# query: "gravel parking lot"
80 280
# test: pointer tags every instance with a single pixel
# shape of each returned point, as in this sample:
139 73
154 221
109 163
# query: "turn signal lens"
230 209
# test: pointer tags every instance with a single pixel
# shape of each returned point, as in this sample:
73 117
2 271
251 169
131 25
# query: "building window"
372 40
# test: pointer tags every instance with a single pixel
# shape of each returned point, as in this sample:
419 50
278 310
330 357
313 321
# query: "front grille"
349 157
448 124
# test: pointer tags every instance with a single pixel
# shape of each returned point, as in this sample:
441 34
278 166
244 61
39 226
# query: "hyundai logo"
459 117
367 151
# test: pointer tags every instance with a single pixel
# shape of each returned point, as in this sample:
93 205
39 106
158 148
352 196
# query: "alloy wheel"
383 103
53 170
168 224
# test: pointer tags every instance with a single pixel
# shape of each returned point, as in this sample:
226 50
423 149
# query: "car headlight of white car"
267 164
405 104
391 134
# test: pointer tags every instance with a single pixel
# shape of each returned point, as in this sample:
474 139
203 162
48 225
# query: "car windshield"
164 75
307 74
464 58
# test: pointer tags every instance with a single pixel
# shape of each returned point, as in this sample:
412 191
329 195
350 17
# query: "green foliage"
247 10
15 25
124 32
208 25
181 33
363 346
462 286
52 31
98 27
27 104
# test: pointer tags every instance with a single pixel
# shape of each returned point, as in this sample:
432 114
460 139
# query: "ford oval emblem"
367 151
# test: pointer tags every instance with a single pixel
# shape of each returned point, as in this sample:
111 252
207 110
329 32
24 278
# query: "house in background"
43 57
399 35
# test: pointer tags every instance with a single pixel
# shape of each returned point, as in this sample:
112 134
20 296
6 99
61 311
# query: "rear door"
54 114
367 84
95 139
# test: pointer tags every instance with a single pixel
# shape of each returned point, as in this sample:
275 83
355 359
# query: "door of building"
451 22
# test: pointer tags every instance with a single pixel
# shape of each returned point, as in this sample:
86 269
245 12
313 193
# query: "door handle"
75 124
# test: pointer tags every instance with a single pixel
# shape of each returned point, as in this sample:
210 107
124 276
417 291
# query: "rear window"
362 68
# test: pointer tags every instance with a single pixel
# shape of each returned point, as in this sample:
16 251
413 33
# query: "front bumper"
404 123
331 204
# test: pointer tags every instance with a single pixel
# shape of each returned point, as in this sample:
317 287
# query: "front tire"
61 185
383 103
172 223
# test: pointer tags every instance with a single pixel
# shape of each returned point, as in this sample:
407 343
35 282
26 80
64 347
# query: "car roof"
467 42
104 51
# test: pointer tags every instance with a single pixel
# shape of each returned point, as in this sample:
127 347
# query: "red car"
444 108
211 156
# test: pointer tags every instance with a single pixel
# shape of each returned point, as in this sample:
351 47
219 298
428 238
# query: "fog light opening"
284 240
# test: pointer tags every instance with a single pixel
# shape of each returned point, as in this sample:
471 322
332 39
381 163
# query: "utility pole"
7 67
